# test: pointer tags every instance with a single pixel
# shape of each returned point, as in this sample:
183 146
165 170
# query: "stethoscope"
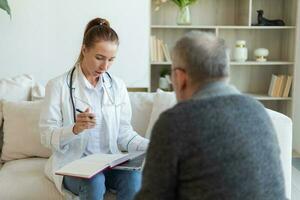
70 85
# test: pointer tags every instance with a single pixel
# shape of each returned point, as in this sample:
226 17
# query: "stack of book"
280 85
159 51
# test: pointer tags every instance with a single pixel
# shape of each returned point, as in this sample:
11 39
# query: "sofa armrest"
283 128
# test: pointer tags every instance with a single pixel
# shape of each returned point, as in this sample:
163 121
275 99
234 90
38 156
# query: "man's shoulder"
213 103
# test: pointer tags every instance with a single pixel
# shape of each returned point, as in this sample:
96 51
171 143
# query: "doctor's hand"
84 120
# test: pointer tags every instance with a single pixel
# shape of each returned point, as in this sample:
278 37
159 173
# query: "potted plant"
4 6
164 82
183 16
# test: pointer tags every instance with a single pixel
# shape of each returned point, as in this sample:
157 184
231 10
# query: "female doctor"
87 111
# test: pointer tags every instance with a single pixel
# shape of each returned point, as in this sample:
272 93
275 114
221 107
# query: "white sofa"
22 177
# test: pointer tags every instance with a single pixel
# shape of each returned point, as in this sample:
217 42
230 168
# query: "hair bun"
96 22
103 22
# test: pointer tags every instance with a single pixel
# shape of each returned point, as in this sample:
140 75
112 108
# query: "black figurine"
261 21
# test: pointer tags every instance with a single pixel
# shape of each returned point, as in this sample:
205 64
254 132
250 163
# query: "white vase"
240 53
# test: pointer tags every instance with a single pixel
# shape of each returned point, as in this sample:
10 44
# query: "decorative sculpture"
261 54
261 21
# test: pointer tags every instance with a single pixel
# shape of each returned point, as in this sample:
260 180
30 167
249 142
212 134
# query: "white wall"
44 37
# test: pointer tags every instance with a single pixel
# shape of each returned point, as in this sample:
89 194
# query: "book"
89 166
280 88
272 85
276 85
166 52
153 51
160 51
287 86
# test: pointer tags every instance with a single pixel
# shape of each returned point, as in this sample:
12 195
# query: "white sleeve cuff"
67 135
138 144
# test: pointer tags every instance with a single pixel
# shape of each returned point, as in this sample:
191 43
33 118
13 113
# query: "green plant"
183 3
164 72
179 3
4 6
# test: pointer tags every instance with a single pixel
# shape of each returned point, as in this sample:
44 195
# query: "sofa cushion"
13 89
141 104
37 92
25 179
21 131
162 101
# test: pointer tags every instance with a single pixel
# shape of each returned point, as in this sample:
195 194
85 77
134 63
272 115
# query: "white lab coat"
56 122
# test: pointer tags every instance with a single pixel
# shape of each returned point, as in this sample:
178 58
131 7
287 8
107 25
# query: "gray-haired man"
215 143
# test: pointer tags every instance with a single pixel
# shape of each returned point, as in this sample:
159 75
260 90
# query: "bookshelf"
232 20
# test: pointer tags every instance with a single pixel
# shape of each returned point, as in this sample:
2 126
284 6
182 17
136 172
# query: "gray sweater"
218 145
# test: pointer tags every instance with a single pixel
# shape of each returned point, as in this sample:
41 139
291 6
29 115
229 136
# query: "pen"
78 110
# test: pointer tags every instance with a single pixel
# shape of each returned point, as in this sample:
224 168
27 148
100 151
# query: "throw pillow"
162 101
14 89
141 105
37 92
21 131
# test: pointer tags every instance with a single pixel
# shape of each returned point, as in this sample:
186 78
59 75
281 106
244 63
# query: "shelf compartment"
155 75
279 42
205 12
282 106
256 79
170 36
275 9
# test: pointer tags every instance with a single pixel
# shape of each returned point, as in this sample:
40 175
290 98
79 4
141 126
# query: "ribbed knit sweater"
221 147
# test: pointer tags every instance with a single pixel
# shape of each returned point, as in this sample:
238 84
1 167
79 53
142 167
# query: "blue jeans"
126 183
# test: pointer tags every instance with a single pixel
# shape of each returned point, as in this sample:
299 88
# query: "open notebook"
89 166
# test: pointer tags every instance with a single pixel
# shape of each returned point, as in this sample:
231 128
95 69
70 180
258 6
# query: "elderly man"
215 143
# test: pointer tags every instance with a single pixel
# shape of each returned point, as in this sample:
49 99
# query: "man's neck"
194 88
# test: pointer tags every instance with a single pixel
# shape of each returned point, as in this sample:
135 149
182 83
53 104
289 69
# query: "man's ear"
181 80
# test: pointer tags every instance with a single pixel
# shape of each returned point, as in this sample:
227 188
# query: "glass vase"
184 16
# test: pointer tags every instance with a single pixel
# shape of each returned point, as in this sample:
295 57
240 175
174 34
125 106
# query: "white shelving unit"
220 27
251 63
232 20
